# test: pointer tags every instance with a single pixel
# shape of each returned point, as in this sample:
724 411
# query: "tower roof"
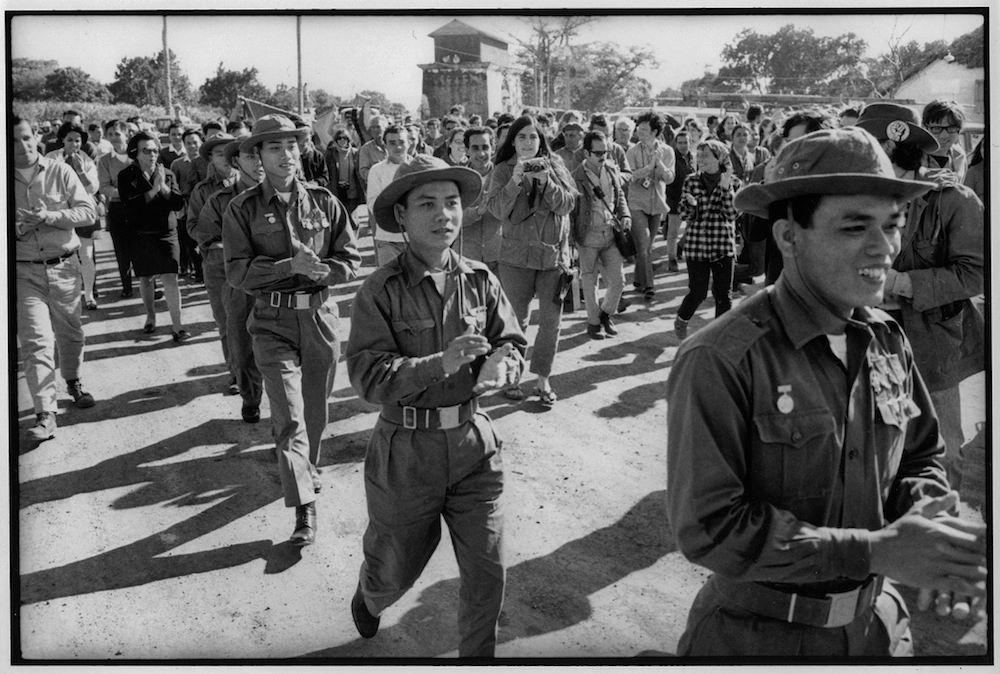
457 27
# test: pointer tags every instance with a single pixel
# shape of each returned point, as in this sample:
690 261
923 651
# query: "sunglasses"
598 153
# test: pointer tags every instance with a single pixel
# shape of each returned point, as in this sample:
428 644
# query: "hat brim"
232 149
917 135
205 149
757 197
251 142
470 185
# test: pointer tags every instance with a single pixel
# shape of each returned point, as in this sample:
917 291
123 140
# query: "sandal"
649 293
181 336
547 397
513 393
149 328
90 305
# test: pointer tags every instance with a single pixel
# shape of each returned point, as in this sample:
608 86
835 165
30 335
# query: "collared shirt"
480 239
108 168
258 230
55 188
201 192
781 461
401 324
711 231
378 179
189 172
651 199
207 230
88 172
370 154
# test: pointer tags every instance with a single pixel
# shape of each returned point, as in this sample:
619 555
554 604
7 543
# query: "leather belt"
52 261
830 610
299 301
430 418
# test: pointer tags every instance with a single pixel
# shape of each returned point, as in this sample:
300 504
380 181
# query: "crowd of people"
474 220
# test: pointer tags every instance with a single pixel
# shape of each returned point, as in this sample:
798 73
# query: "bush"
36 111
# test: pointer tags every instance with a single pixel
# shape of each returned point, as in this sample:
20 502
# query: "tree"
602 77
140 81
547 55
73 84
284 97
221 91
320 99
790 61
27 78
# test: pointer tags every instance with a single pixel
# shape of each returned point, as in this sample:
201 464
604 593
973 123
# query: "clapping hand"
727 177
308 263
463 349
497 372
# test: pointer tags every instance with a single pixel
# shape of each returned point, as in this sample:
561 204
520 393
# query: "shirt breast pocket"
797 455
415 335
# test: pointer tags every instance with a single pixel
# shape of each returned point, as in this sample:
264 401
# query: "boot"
44 428
80 397
594 331
680 328
305 525
609 325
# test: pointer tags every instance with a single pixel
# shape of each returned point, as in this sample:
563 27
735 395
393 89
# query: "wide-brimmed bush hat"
422 169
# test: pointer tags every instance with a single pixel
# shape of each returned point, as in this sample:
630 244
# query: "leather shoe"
44 428
366 623
232 388
594 331
305 525
609 325
251 414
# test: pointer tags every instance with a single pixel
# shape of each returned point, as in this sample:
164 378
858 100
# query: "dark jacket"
333 172
155 216
582 215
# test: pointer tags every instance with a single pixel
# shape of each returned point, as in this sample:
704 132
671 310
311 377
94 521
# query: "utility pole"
298 44
166 69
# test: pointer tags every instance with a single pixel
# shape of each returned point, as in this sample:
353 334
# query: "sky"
347 54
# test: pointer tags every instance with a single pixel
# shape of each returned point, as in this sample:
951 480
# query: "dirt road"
152 525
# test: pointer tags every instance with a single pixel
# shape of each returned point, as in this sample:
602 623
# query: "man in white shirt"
387 244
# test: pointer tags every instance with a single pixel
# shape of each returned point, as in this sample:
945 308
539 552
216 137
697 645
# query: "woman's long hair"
507 150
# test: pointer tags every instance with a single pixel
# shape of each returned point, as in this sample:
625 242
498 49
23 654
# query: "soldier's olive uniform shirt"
199 197
259 229
401 325
55 187
781 461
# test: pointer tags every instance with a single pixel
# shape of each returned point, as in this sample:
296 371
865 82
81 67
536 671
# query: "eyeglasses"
598 153
938 130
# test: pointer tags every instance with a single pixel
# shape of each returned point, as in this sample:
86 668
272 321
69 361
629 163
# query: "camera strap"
590 177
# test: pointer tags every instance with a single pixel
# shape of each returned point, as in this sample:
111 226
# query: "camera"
534 165
598 192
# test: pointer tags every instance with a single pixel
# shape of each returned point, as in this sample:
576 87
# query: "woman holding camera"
532 194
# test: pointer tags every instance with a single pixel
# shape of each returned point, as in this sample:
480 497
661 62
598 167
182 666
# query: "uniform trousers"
214 271
296 351
238 305
48 316
948 405
521 285
606 260
720 630
413 478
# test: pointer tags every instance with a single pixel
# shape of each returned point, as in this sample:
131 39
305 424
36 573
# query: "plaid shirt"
711 231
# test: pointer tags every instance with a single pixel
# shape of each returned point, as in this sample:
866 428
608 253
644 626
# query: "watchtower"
473 68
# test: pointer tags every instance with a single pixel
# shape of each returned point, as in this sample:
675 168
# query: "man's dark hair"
712 120
212 125
849 112
478 131
667 133
907 156
68 128
505 118
234 126
654 120
393 128
935 111
194 132
491 123
75 113
588 140
175 125
17 119
93 127
803 207
598 120
753 113
813 120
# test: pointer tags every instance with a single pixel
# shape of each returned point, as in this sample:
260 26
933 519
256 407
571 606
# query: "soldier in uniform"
287 242
235 304
430 331
803 458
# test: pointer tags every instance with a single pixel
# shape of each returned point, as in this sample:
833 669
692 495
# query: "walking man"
803 459
50 202
430 331
287 242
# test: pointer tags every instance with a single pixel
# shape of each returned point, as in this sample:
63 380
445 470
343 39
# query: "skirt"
155 253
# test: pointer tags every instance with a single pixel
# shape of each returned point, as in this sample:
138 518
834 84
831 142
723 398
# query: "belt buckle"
409 417
302 301
275 300
843 607
448 416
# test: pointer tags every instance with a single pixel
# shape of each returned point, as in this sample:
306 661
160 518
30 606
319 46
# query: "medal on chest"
887 378
271 218
785 402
